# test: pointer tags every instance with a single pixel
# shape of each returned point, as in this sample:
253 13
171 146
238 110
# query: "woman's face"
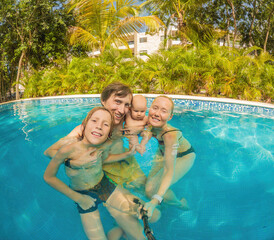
98 127
118 106
160 112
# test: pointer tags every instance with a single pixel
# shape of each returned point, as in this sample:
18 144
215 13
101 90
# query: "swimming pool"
229 189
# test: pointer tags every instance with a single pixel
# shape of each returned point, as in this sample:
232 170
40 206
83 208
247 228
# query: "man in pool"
116 97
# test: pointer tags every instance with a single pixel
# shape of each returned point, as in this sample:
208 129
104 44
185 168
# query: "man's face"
118 106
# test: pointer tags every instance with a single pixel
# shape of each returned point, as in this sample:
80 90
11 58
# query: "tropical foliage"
214 71
32 33
44 46
179 13
103 23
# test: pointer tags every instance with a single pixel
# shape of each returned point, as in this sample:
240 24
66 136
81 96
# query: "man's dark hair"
119 89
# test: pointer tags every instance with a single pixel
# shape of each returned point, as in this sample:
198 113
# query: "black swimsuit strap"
172 130
67 163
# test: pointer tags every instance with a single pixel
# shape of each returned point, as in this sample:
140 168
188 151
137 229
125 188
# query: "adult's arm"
71 137
171 146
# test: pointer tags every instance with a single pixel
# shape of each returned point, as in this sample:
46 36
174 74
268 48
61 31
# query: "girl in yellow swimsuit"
174 158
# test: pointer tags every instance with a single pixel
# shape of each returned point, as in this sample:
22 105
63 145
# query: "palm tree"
103 23
179 13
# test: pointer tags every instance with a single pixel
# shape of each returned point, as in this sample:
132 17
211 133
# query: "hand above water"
132 150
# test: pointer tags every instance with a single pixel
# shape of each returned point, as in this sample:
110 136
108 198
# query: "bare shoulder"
170 138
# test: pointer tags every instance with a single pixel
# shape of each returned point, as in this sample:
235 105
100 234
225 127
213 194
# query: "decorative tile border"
185 102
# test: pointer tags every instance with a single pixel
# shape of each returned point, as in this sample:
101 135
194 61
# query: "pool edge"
187 97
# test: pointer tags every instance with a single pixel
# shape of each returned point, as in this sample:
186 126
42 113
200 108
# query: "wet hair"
171 101
119 89
89 115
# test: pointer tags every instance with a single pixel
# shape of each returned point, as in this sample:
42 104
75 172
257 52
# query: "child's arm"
50 177
118 157
71 137
146 136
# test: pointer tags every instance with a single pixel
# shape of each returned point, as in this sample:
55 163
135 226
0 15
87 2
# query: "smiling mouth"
155 119
119 116
96 134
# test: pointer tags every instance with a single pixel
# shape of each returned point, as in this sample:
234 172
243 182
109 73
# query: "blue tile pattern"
185 104
188 104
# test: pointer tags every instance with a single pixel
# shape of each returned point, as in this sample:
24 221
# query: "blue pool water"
230 188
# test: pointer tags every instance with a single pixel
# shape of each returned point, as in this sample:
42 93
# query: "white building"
143 43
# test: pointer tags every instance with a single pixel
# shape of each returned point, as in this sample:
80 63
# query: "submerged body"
88 184
172 161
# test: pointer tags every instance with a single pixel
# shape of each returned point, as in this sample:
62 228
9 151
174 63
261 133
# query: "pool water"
229 189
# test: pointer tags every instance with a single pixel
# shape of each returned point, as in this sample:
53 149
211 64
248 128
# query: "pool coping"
186 97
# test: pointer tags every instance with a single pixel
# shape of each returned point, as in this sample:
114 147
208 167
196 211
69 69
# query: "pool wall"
187 102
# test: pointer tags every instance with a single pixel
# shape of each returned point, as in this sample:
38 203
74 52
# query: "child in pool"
89 186
136 121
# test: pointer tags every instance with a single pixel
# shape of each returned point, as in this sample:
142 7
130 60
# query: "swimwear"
67 163
100 192
94 159
125 171
179 154
161 142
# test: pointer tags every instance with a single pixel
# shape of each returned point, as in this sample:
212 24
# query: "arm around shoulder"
71 137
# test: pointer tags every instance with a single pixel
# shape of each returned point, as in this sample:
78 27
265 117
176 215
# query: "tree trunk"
234 20
19 74
250 40
2 87
227 28
268 29
181 26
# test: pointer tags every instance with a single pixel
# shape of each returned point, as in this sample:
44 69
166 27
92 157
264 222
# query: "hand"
86 202
132 150
150 207
141 149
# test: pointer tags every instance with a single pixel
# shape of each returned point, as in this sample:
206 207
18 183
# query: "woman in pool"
174 158
88 184
116 97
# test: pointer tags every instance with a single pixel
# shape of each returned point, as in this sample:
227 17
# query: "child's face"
138 110
159 112
98 127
